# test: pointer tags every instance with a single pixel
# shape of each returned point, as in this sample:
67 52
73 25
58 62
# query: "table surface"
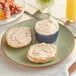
9 68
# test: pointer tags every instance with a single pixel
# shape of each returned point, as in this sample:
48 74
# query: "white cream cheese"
46 27
42 52
18 37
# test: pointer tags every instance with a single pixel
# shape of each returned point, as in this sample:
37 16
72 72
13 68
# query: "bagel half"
19 37
42 53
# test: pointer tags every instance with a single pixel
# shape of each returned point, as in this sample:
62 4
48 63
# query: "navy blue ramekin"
46 38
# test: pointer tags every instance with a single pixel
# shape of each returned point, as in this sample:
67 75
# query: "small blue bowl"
46 38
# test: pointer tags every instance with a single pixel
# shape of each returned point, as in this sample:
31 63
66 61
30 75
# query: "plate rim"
31 65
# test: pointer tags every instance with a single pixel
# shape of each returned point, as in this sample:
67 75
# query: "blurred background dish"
15 16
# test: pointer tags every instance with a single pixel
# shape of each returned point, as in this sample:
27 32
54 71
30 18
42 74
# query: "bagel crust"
19 37
42 53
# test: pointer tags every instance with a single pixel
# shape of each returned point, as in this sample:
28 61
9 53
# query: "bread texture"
42 53
19 37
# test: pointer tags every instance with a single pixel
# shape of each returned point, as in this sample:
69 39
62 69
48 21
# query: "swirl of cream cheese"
42 52
18 37
46 27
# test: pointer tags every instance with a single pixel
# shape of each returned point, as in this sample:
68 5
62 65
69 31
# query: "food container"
46 30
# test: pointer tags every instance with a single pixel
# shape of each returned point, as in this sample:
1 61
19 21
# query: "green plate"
64 43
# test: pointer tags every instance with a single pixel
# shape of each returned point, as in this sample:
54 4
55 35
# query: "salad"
9 8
